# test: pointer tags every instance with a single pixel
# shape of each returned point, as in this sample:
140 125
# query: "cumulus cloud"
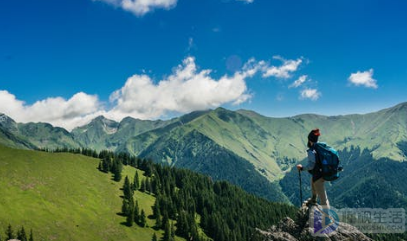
312 94
301 80
363 79
284 71
141 7
57 111
186 89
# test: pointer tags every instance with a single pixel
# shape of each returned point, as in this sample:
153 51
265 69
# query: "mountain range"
243 147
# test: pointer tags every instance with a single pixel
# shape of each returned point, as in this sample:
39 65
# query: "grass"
62 196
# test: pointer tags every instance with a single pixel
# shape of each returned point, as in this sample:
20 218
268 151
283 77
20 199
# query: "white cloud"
306 92
56 111
191 44
283 71
246 1
185 90
312 94
301 80
141 7
363 79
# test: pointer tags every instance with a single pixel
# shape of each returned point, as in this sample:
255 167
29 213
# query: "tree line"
20 234
194 207
188 204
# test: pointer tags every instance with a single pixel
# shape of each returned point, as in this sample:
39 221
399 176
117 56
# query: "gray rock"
301 230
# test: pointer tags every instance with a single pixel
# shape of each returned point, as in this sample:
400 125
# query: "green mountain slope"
9 139
104 134
379 131
234 132
44 135
63 196
34 135
271 145
94 134
197 152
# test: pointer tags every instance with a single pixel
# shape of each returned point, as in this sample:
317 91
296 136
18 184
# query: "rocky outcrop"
302 230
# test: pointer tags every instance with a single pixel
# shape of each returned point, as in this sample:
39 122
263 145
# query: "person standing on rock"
314 168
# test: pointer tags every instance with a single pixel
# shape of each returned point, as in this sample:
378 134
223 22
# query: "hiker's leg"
313 199
319 187
314 192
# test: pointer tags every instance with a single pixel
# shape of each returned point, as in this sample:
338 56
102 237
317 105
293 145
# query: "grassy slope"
9 139
228 129
64 197
379 131
266 142
242 136
44 135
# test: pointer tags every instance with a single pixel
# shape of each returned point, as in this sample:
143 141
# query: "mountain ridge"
272 146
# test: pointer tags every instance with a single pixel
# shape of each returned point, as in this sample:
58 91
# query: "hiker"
314 167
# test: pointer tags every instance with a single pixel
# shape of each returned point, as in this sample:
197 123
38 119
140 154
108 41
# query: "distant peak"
221 109
400 107
129 118
5 118
101 117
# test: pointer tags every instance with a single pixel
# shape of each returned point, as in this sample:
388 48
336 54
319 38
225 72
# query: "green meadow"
62 196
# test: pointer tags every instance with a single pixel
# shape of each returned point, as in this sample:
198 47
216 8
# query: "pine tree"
158 222
143 220
125 207
149 186
21 235
130 217
136 213
106 163
9 233
156 208
31 236
117 170
143 186
172 232
154 237
154 186
182 225
167 231
136 182
164 220
128 192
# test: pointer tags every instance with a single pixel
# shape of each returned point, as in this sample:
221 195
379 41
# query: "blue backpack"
328 160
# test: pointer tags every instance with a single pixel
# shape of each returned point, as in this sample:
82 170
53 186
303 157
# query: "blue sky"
67 61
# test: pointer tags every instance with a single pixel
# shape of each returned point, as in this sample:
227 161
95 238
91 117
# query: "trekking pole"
299 176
